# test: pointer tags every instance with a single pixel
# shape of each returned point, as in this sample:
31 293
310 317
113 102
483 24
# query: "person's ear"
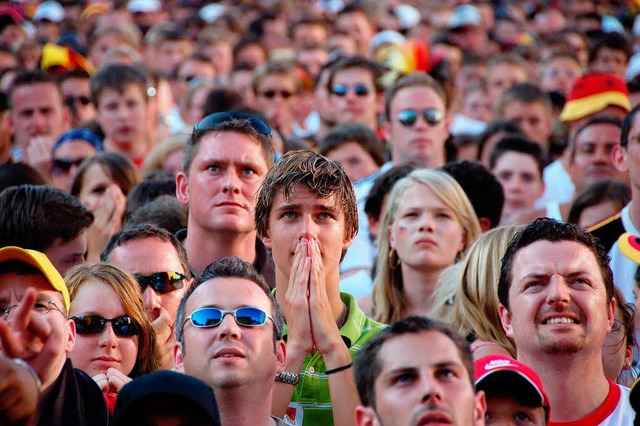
366 416
505 319
611 314
265 237
178 357
71 336
281 356
480 408
619 157
485 224
182 188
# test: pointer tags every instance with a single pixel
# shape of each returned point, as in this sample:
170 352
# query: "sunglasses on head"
162 282
63 165
270 94
212 317
73 100
213 121
342 90
94 324
408 117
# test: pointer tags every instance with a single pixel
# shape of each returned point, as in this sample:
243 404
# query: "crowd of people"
318 212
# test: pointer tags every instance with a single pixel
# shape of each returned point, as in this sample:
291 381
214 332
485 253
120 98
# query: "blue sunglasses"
215 120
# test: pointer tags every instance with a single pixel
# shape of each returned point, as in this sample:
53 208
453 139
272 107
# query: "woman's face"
615 352
96 353
426 233
95 182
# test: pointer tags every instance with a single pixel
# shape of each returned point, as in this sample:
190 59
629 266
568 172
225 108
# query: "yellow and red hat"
593 93
630 246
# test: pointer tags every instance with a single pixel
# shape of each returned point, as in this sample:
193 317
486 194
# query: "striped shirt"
311 402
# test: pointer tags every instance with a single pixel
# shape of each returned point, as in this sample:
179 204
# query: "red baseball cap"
505 368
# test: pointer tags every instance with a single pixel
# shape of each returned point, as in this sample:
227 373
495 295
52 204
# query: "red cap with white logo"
489 366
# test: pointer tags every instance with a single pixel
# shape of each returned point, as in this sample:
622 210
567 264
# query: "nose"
308 227
152 301
558 291
512 185
229 328
601 156
39 121
231 182
108 338
431 390
421 122
425 222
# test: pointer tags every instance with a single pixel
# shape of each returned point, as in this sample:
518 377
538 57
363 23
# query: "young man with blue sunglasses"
306 215
229 335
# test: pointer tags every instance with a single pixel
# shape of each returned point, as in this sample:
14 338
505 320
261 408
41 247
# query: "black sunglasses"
162 282
270 94
408 117
64 165
94 324
212 317
73 100
342 90
213 121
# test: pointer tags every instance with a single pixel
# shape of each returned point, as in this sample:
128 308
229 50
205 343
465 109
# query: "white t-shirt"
558 185
624 269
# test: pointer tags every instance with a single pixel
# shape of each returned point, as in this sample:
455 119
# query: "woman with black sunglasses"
115 341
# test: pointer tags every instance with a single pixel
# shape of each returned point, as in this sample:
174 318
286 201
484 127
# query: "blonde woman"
115 341
475 300
166 155
428 224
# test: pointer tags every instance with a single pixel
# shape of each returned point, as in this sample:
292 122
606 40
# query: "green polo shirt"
311 402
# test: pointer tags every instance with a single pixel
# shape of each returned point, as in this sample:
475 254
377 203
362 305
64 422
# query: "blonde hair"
155 159
128 290
475 305
388 292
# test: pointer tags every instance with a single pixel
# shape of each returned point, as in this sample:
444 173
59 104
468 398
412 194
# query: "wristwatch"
288 377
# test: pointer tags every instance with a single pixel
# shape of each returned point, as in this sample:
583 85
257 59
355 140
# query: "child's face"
505 411
123 116
521 180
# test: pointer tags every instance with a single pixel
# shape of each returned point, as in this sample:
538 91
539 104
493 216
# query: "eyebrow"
294 206
225 161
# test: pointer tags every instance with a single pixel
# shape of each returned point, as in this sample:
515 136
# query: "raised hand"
325 332
38 154
165 338
107 220
18 393
28 331
295 304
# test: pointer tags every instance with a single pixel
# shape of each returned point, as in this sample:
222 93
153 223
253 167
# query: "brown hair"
323 177
128 290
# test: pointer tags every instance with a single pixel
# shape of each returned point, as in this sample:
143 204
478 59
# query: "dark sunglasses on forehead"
73 100
94 324
212 317
342 90
63 165
270 94
408 117
162 282
213 121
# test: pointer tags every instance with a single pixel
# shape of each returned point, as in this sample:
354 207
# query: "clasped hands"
310 320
